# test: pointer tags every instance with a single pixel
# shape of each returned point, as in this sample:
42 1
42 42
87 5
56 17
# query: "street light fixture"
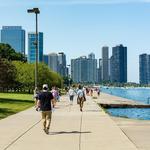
36 11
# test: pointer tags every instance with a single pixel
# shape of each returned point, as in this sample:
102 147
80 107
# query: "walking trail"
70 129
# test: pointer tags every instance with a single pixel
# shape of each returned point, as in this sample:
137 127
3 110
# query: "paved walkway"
71 129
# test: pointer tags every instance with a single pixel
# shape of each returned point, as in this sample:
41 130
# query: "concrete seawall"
110 101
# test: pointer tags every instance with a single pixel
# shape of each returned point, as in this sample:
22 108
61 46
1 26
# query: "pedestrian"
35 96
55 94
80 97
45 102
98 92
71 93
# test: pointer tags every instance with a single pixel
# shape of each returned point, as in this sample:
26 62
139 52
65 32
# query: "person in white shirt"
71 93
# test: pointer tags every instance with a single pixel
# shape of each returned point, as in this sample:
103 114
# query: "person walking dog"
45 102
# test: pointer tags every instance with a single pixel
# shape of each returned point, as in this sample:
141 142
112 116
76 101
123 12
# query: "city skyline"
81 27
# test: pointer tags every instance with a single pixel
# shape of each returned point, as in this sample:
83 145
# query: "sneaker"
44 130
47 131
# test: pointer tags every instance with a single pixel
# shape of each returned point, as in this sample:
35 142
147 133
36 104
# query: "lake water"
137 94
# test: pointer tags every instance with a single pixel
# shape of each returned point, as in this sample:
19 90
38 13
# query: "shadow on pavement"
68 132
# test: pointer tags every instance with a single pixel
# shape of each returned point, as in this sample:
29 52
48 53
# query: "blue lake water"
137 94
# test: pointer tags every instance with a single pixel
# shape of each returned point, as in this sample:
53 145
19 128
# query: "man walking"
45 102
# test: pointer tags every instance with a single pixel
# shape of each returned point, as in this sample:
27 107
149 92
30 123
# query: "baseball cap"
45 86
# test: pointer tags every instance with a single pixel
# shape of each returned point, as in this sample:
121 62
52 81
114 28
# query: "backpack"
80 94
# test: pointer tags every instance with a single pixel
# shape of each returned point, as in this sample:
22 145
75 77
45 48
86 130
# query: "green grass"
13 103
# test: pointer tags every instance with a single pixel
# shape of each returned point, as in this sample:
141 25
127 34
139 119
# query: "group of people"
46 101
80 92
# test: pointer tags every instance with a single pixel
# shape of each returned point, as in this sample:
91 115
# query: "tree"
6 51
25 76
45 75
7 74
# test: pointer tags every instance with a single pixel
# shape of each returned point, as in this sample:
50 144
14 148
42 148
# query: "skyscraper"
15 37
32 47
118 64
92 69
144 68
84 70
63 70
99 72
53 62
79 69
91 56
105 63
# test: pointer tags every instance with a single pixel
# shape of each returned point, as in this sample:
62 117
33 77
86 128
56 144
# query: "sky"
79 27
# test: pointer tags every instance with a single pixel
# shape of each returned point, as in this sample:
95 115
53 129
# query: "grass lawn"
11 103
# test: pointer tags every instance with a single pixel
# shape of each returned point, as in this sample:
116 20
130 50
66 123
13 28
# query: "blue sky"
79 27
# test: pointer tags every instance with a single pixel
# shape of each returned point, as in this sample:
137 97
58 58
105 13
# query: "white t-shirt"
80 93
71 92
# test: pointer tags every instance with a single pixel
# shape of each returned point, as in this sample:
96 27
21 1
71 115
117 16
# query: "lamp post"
36 11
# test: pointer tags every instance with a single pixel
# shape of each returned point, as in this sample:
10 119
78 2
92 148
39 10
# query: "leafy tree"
7 74
25 76
45 75
6 51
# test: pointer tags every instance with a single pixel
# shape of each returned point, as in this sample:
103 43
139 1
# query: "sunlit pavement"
70 129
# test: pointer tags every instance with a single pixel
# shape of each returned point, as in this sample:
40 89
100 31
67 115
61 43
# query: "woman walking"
80 97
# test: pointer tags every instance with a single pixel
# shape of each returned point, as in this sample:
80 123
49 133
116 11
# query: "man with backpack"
45 102
80 97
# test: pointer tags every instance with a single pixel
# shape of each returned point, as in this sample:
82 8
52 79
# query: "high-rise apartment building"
15 37
53 62
91 56
63 70
144 69
99 72
32 47
84 70
118 64
92 69
57 62
105 63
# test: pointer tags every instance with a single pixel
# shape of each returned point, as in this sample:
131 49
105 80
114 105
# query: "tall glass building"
63 70
105 63
144 69
53 62
15 37
84 70
118 64
32 47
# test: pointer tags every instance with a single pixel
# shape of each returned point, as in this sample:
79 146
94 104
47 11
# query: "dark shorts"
71 97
